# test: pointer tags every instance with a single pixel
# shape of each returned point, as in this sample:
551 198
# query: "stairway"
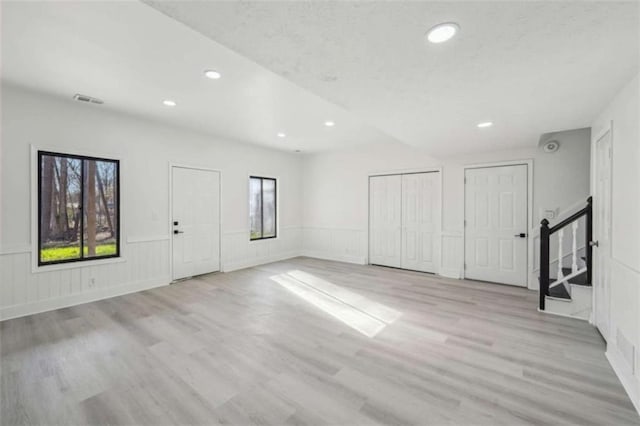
576 302
570 293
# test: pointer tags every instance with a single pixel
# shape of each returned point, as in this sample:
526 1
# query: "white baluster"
560 237
574 258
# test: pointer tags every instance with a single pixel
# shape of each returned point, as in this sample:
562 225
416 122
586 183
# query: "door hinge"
464 266
465 222
465 180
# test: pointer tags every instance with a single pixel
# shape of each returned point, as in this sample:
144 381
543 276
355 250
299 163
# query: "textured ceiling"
531 67
133 57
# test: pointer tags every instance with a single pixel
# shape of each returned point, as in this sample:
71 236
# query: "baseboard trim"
16 311
630 383
234 266
358 260
562 315
450 273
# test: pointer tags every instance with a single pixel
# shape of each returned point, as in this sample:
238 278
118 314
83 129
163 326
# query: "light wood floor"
240 348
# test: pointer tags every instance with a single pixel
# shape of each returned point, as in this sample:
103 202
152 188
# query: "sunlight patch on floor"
356 311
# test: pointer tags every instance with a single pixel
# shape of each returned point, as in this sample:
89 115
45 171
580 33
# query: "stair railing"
545 237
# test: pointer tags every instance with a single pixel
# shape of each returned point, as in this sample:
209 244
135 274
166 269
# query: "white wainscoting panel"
344 245
238 252
350 245
145 265
452 254
623 345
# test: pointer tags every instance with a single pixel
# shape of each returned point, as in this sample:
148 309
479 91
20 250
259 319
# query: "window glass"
255 207
77 208
262 208
269 208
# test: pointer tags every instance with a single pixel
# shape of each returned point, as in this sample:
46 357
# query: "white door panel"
420 221
495 214
196 221
602 233
385 221
404 221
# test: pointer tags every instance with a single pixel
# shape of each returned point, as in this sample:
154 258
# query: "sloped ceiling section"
530 67
134 57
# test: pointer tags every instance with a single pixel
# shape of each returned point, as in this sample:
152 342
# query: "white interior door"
385 220
602 233
421 221
496 224
195 221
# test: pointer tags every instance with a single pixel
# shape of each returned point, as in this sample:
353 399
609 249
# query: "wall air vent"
627 350
85 98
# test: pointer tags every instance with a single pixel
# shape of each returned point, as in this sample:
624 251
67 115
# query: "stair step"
559 292
578 279
579 306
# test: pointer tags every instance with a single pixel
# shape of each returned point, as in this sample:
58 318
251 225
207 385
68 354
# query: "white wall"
566 171
323 197
561 184
336 193
623 113
145 149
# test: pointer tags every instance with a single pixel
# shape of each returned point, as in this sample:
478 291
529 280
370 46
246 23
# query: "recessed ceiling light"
169 103
282 135
442 32
212 74
329 123
485 124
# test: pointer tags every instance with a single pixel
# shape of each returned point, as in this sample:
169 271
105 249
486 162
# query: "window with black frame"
78 208
262 208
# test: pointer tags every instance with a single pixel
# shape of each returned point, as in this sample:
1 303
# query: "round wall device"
551 146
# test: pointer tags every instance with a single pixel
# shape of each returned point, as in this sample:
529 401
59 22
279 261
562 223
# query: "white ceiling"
531 67
133 57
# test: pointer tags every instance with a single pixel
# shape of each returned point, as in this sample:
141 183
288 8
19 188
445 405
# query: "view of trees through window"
78 208
262 207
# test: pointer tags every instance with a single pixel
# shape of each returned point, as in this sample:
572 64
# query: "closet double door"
404 221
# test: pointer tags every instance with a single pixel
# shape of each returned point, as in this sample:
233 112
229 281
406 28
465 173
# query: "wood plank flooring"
239 348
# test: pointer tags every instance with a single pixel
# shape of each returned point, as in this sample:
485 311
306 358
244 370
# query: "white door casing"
496 202
602 233
195 219
421 221
385 220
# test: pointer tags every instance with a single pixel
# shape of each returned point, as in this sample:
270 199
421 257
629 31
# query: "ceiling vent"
85 98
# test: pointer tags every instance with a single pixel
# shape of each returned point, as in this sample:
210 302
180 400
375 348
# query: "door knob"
521 235
594 243
178 232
